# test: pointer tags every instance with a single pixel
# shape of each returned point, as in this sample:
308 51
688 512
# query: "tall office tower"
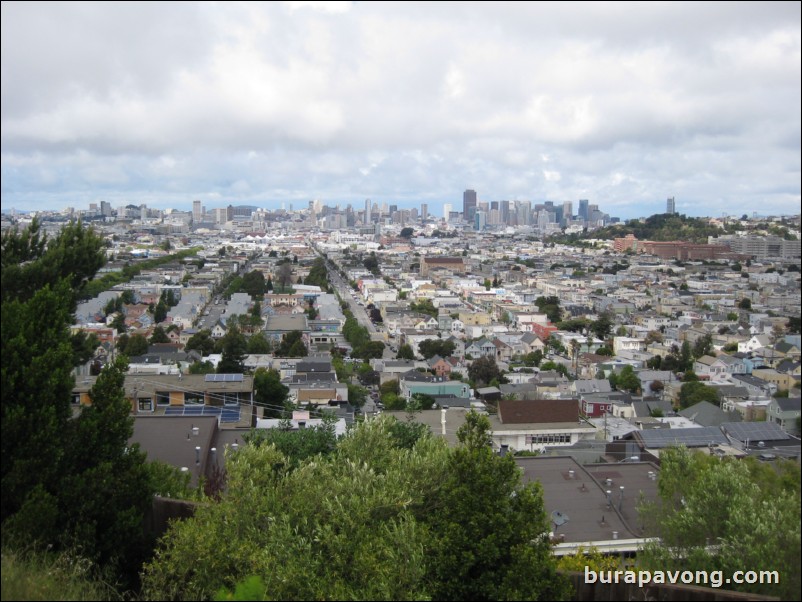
493 205
523 210
583 210
143 212
671 207
197 215
446 210
424 212
367 211
393 209
568 210
504 212
105 208
468 205
479 220
558 215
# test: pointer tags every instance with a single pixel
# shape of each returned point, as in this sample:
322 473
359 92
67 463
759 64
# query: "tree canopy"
430 347
729 515
67 482
388 514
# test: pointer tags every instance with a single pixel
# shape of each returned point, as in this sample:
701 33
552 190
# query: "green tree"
715 514
253 283
745 304
159 336
118 323
685 357
258 343
430 347
31 261
550 365
424 306
406 232
367 518
485 550
160 311
107 491
201 368
371 263
627 380
234 349
137 345
284 276
357 395
693 392
270 393
483 370
201 341
405 352
551 307
603 326
37 362
703 346
65 482
292 345
533 358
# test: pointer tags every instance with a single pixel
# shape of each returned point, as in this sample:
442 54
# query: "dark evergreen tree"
234 349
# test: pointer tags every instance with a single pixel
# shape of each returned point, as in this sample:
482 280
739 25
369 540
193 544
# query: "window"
145 404
193 398
231 399
162 398
76 399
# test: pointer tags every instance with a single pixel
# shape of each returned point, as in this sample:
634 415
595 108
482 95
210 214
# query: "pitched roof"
538 411
788 404
706 414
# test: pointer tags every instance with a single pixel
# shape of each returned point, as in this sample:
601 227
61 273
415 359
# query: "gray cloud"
631 102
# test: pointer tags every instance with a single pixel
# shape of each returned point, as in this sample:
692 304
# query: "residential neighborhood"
581 352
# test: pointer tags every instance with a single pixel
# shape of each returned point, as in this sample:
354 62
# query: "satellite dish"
558 518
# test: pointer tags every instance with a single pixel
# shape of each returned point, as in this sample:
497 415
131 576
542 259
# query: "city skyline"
264 104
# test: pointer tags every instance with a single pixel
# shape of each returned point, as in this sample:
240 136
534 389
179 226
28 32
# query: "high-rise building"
367 211
446 210
105 208
197 215
524 212
468 205
479 220
504 212
671 207
568 210
424 212
583 210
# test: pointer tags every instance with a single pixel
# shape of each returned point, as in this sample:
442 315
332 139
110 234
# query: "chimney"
197 454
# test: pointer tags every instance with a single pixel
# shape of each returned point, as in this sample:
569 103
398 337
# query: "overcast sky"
624 104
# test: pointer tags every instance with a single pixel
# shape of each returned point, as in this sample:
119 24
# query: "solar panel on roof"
690 437
223 378
755 431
